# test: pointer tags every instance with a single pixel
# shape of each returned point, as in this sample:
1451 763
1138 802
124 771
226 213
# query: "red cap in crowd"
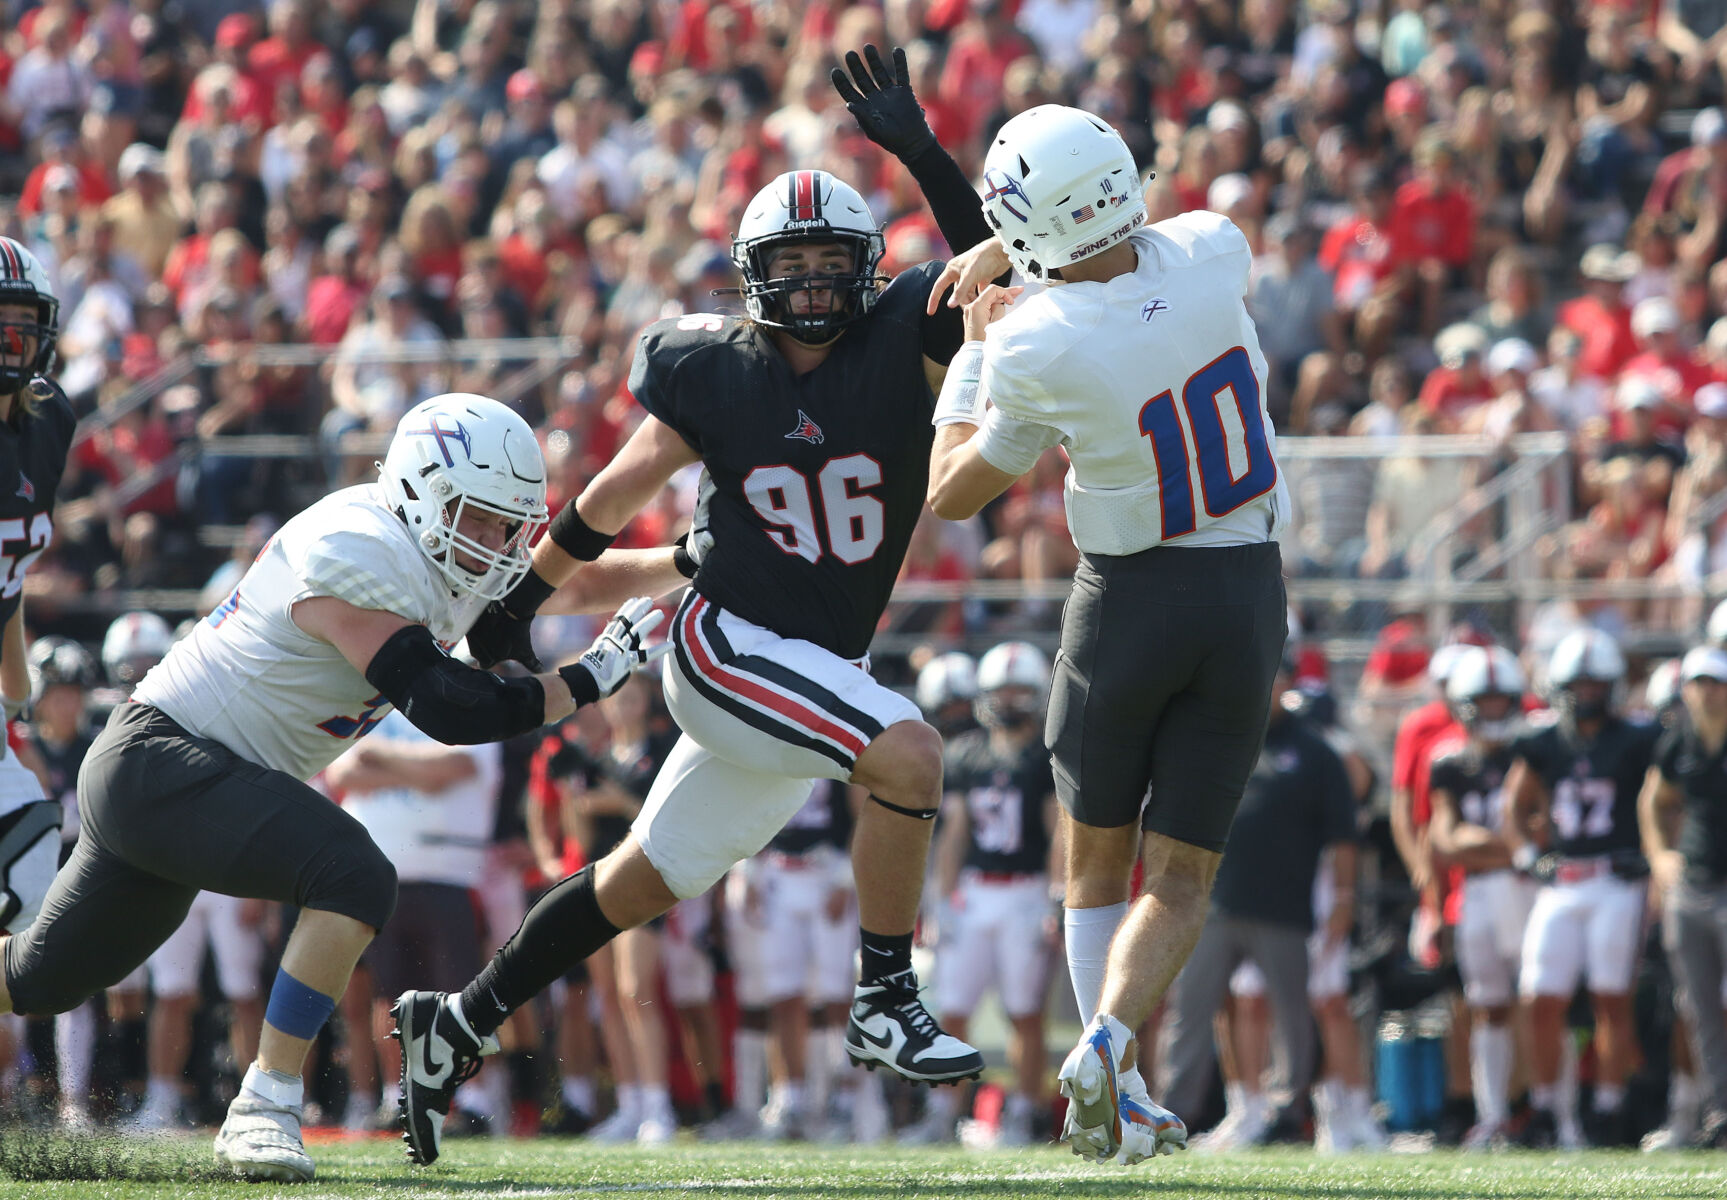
235 30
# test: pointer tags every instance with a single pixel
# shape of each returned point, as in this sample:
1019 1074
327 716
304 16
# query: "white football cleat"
261 1140
1089 1080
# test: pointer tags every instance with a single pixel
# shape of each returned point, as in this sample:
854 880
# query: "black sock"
716 1097
885 954
562 928
525 1082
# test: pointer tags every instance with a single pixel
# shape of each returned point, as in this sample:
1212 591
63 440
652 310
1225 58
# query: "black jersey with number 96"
813 482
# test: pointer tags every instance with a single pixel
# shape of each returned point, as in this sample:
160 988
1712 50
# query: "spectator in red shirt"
334 297
280 58
1433 224
1655 325
1459 383
1600 317
235 34
1363 261
188 261
61 146
1684 176
977 59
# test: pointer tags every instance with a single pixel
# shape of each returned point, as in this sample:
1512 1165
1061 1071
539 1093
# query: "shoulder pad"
369 560
1201 234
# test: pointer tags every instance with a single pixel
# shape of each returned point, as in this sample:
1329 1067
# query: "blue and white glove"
617 652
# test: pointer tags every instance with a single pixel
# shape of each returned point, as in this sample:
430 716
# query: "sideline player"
197 784
1572 821
1485 690
36 424
999 844
1141 360
811 417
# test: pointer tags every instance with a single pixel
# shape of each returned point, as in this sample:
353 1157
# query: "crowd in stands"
1490 218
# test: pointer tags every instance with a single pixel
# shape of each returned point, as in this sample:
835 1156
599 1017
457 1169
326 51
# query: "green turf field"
471 1169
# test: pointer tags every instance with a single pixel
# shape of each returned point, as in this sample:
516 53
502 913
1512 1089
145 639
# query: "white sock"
656 1101
944 1102
1253 1104
630 1100
1119 1035
75 1047
1490 1052
578 1092
391 1094
1683 1100
473 1098
1544 1096
1609 1096
819 1067
1089 931
750 1069
1360 1104
284 1091
1235 1099
1130 1082
162 1094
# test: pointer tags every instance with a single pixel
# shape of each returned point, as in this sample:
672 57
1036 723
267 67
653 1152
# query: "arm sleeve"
454 704
1021 422
959 215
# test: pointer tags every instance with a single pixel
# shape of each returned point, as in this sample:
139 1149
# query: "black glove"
501 633
885 106
500 636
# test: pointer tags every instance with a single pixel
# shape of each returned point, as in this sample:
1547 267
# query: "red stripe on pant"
796 712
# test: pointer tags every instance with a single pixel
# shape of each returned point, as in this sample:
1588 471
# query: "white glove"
619 649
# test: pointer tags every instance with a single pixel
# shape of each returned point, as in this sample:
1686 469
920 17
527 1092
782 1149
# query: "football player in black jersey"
996 852
1485 691
1572 796
36 424
811 417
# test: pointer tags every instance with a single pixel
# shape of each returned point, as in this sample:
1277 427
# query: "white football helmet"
460 451
1717 629
1060 185
1481 672
1662 690
944 679
135 642
1018 665
1585 656
807 206
23 281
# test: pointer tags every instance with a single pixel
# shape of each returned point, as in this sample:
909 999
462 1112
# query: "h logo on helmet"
435 429
1001 186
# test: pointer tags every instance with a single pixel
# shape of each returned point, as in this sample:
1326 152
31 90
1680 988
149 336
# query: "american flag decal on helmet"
806 198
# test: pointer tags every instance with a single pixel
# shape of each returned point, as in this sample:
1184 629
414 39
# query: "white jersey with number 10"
1154 383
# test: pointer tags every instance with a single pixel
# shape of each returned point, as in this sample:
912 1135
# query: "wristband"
1523 858
584 688
687 566
529 593
961 396
576 537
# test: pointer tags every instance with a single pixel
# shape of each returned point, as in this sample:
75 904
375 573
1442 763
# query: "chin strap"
920 814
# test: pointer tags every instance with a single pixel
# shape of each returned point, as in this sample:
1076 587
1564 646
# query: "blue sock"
297 1010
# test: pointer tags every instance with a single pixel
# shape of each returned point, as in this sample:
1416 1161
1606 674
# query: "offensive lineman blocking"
1142 361
197 783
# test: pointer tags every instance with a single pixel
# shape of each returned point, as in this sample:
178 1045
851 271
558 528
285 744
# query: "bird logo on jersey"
1003 185
26 489
807 431
435 429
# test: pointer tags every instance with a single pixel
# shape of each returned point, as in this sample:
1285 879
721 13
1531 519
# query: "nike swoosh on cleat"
436 1068
885 1041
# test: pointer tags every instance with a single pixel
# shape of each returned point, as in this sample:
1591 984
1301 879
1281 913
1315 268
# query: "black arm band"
529 593
958 211
455 704
575 537
584 688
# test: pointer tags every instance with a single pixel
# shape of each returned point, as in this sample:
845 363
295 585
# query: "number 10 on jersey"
1222 489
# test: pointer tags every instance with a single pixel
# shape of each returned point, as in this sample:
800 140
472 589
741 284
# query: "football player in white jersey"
1139 359
198 783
